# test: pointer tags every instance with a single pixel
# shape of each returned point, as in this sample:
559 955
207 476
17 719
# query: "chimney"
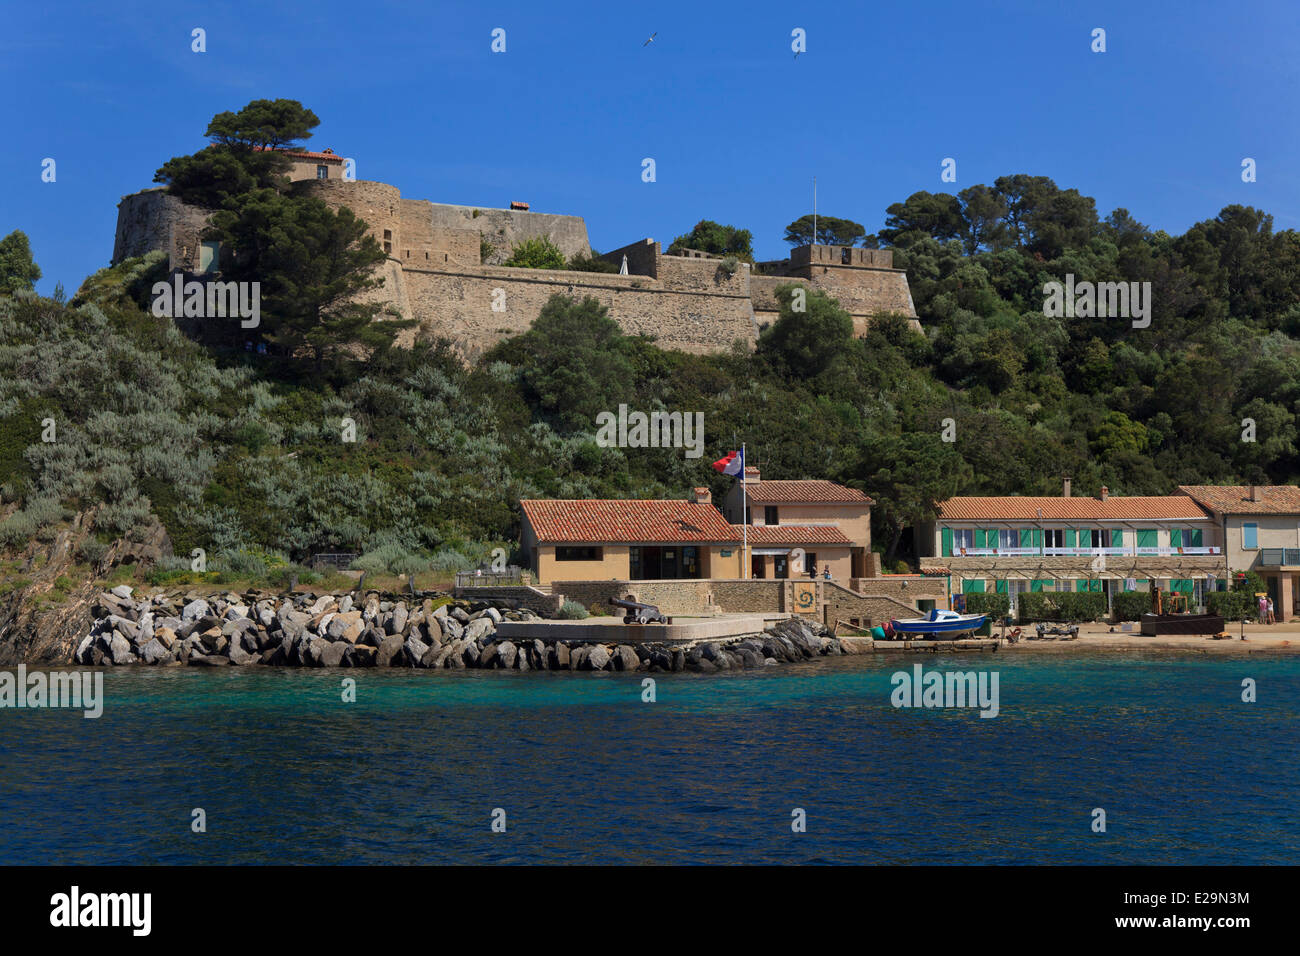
1105 493
701 496
1256 493
751 472
1067 488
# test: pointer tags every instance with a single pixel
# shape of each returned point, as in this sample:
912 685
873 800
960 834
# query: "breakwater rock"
309 630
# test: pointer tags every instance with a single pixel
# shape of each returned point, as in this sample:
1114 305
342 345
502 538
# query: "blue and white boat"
940 622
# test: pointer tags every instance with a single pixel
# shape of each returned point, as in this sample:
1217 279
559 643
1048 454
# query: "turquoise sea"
710 772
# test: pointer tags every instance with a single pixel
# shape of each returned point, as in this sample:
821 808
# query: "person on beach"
1262 604
1271 618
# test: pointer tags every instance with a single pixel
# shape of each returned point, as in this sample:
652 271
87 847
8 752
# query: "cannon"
638 613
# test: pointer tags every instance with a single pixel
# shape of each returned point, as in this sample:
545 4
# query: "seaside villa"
818 524
1259 526
1109 544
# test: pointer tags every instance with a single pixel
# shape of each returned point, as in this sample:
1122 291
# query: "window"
769 514
809 563
571 553
209 256
1096 538
1250 535
388 240
1054 538
1008 538
322 172
962 538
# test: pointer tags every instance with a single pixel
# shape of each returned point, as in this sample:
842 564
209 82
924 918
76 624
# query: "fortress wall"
507 227
762 290
377 203
865 292
458 305
154 219
642 257
702 275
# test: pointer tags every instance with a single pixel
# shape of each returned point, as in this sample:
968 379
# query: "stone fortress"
444 267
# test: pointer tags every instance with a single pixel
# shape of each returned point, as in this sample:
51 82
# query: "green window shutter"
1195 538
972 587
1147 538
1037 585
1081 585
1001 587
1026 538
1181 584
1175 537
981 538
1094 586
992 537
1070 538
1117 538
945 536
1038 538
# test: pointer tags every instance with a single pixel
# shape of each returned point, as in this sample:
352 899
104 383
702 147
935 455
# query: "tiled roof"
625 521
793 534
1235 499
1023 508
800 492
304 154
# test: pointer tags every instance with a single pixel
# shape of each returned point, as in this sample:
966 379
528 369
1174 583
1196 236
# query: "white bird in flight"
651 40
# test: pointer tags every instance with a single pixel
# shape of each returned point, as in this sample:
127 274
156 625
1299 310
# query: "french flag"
733 464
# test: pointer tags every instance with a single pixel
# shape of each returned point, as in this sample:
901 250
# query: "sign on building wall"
805 597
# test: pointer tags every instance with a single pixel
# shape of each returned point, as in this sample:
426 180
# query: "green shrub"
1062 605
1131 605
996 605
1232 605
91 551
536 253
280 577
573 611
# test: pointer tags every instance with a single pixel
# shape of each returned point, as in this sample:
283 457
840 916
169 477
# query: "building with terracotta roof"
636 539
774 508
1013 544
1259 526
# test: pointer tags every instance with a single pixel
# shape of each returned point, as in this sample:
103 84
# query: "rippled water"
709 773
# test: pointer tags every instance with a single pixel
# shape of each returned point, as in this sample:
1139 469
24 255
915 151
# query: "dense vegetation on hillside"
245 454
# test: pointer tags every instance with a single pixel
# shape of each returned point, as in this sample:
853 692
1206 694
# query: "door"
782 566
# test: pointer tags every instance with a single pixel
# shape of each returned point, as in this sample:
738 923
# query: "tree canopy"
831 231
18 270
715 238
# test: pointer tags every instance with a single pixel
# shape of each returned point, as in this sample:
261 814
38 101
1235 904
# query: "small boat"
940 622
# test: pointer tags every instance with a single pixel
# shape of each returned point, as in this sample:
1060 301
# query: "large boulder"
506 652
597 658
625 658
389 648
414 650
396 623
331 655
153 652
345 626
480 628
119 649
195 610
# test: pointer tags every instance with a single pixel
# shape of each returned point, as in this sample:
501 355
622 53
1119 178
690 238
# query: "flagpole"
744 517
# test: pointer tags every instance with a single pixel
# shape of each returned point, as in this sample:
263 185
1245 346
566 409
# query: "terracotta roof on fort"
625 521
1024 508
798 492
304 154
793 534
1236 499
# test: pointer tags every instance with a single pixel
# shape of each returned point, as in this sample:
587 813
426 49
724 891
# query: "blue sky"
738 126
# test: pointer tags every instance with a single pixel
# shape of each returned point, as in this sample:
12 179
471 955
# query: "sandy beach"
1260 638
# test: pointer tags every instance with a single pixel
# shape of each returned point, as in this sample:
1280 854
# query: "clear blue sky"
737 125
